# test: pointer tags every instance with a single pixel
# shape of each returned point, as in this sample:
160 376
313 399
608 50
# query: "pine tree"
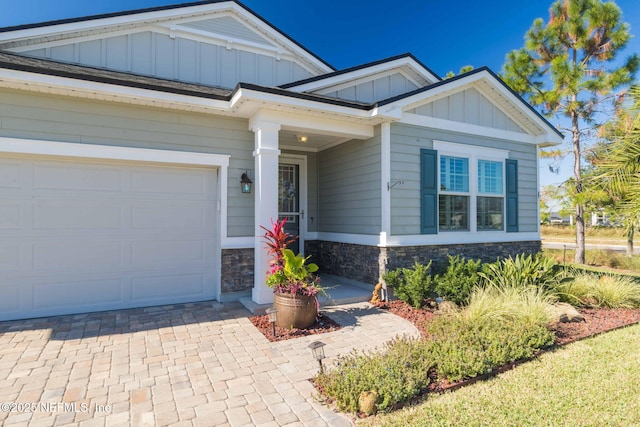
562 70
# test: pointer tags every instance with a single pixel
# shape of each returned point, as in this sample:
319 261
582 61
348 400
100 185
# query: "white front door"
292 198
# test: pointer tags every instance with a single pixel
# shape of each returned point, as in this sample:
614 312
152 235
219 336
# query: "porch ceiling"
290 140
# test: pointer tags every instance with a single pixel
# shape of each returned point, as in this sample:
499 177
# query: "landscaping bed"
322 325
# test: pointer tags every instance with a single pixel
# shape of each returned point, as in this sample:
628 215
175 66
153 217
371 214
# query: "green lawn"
593 382
594 235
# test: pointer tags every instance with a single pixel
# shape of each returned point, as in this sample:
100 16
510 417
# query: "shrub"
522 271
411 285
458 280
465 349
604 291
397 373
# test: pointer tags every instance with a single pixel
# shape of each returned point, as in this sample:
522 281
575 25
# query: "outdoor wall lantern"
273 315
245 183
318 352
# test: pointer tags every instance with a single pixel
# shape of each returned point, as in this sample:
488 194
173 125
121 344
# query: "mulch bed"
597 320
323 324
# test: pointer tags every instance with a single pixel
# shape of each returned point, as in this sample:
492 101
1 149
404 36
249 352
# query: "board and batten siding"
158 55
406 142
374 90
43 117
349 187
471 107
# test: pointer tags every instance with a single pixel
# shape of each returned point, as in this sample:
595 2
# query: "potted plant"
292 278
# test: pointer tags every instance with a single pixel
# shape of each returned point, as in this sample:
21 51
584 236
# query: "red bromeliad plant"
289 273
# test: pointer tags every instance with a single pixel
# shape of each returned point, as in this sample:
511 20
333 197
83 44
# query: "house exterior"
124 137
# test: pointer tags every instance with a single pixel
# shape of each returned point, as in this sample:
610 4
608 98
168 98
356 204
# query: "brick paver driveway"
201 364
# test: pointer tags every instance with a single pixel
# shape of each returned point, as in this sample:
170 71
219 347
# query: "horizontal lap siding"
406 142
349 188
33 116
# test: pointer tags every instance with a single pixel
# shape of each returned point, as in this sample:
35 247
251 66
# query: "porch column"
266 200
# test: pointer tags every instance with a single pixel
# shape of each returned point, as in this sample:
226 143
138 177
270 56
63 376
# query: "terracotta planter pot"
295 311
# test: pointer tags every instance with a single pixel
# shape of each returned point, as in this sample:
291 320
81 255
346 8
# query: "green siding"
406 142
43 117
349 187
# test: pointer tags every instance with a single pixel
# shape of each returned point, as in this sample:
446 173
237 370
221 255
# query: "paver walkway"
201 364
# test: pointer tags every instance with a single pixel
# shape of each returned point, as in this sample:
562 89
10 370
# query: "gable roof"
502 90
58 29
325 81
313 92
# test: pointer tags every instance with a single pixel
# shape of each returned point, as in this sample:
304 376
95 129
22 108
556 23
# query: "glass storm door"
289 201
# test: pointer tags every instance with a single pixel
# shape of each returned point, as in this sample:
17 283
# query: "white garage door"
79 236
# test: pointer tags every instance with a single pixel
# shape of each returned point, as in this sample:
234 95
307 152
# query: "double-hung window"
475 189
490 199
453 201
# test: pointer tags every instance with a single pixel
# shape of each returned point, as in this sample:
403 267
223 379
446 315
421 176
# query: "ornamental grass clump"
531 305
396 373
605 291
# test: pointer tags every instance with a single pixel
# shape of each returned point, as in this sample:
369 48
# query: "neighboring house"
124 137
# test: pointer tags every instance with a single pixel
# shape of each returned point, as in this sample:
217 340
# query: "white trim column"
266 156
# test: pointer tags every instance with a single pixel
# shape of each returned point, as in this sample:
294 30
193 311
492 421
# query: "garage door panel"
77 235
168 287
10 301
158 214
86 293
69 176
168 253
9 256
87 214
10 175
10 214
169 181
77 255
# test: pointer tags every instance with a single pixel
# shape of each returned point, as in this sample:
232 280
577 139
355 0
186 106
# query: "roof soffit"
203 22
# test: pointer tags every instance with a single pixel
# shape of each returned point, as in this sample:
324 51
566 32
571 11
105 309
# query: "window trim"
473 153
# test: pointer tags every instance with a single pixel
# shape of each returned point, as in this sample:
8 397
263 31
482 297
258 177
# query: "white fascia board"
95 90
351 78
452 126
352 123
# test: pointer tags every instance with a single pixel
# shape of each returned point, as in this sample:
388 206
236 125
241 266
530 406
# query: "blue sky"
444 35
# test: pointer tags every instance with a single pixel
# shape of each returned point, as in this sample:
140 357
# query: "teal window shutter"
428 191
512 195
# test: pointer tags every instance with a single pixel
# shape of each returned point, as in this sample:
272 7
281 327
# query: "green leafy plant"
458 280
396 373
465 349
522 271
289 273
412 285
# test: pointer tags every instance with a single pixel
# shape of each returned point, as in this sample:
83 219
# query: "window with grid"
490 199
453 201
